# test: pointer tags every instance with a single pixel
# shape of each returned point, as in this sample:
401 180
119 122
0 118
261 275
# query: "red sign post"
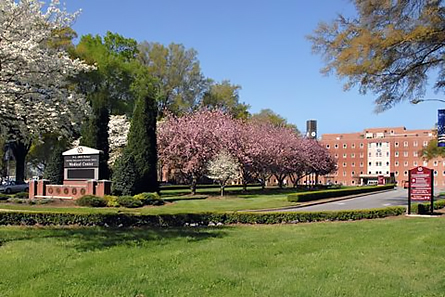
420 186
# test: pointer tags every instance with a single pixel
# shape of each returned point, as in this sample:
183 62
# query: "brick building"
387 153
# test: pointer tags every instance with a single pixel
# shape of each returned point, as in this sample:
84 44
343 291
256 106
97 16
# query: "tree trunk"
20 150
193 186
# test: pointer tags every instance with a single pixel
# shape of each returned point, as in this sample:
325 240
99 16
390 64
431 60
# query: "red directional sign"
421 184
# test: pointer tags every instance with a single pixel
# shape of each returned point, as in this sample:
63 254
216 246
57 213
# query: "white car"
13 187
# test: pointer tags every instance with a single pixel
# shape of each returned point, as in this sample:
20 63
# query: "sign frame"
423 188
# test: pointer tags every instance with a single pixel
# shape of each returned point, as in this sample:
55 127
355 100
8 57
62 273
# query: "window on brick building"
336 146
405 154
352 155
435 172
361 164
396 163
353 145
336 156
345 155
405 173
396 144
405 163
405 143
415 154
328 146
435 163
396 154
362 155
344 173
415 143
352 173
344 164
345 145
396 173
425 143
361 145
352 164
415 163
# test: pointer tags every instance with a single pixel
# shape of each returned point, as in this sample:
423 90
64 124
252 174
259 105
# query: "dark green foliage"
425 208
142 137
124 175
129 202
92 201
54 169
150 199
309 196
22 195
4 196
95 132
196 219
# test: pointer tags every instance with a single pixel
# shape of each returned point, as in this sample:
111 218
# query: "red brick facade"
389 152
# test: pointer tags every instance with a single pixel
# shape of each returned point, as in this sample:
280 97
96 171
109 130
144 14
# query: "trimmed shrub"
16 200
92 201
149 198
4 197
124 175
195 219
129 202
425 208
111 201
316 195
22 195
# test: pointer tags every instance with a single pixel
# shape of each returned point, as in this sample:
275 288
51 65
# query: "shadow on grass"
95 238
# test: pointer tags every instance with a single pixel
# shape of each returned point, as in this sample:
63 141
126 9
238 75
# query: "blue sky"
260 45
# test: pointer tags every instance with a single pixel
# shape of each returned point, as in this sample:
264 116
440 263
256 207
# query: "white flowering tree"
118 128
223 167
35 95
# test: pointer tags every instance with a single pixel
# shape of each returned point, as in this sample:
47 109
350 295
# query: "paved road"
388 198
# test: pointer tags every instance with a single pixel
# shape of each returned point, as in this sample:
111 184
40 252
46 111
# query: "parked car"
13 187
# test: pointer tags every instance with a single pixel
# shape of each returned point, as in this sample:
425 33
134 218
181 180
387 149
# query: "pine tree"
142 139
54 169
95 132
124 175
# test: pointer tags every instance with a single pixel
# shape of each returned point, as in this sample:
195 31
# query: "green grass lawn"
249 201
391 257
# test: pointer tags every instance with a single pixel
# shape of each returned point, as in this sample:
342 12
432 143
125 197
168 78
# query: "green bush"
129 202
316 195
92 201
22 195
16 200
4 197
124 175
195 219
425 208
149 198
111 201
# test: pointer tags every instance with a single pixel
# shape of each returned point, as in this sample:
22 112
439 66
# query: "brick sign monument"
80 177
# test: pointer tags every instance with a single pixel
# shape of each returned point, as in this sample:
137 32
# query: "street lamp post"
440 120
417 101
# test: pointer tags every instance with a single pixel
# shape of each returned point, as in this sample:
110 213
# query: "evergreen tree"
124 175
54 169
142 136
95 132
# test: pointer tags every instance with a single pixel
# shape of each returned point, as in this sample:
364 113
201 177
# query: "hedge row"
316 195
196 219
425 208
